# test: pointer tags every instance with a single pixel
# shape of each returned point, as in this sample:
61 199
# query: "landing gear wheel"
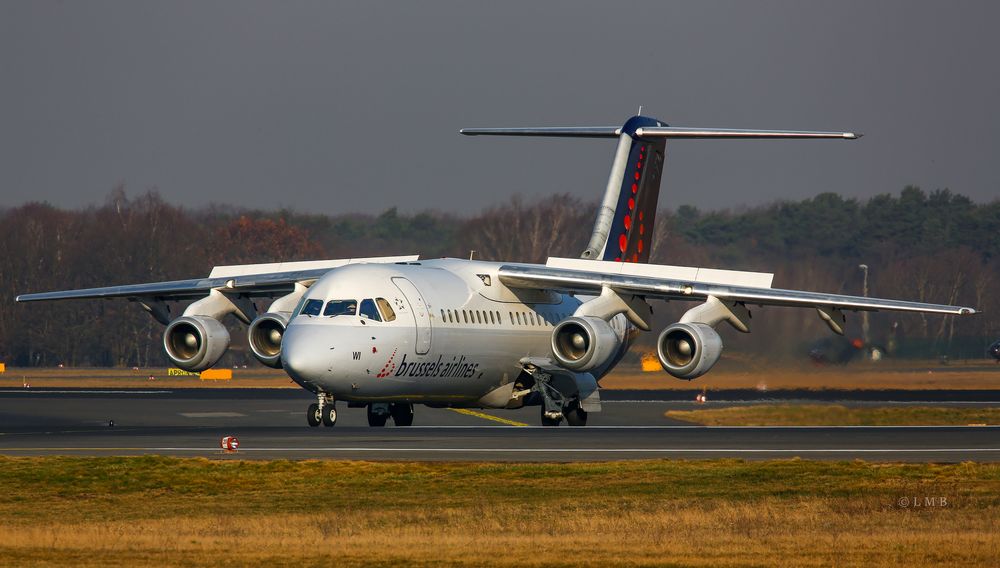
575 416
376 420
402 414
549 420
313 416
329 415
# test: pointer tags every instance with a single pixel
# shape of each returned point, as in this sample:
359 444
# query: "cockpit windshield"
369 311
341 308
312 307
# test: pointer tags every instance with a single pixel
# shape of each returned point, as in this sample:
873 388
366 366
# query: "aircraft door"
420 315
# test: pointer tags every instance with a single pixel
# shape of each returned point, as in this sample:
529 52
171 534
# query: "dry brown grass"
837 415
159 511
794 532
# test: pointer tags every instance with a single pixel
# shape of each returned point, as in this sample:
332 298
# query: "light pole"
864 314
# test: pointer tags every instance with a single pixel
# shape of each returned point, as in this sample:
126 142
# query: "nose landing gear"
313 415
323 411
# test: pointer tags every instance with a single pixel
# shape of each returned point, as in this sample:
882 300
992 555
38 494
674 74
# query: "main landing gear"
323 411
574 415
555 405
379 413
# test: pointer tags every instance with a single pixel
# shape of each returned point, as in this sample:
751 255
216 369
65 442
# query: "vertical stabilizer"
624 225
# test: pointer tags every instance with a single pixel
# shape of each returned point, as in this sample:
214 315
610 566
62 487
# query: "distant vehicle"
388 333
994 351
835 350
841 351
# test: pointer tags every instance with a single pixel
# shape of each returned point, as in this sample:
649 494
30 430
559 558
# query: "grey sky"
335 107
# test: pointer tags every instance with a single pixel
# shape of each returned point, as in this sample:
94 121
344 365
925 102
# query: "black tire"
402 414
329 415
575 416
546 421
376 420
312 415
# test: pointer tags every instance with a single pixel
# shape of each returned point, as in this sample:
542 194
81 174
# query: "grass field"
99 377
837 415
888 375
156 511
885 375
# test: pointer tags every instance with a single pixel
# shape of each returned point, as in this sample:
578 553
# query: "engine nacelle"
195 343
688 350
584 343
265 335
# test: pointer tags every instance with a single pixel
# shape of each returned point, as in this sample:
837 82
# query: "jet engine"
584 343
195 343
265 338
688 350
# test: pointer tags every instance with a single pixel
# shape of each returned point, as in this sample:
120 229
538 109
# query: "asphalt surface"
270 423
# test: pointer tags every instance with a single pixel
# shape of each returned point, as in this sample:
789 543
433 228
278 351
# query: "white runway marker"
211 414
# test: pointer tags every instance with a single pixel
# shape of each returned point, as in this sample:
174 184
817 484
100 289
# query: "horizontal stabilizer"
657 132
568 131
681 132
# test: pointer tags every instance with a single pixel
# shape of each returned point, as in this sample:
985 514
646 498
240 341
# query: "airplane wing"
728 286
253 280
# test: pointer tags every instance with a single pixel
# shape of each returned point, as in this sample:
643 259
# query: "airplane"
388 333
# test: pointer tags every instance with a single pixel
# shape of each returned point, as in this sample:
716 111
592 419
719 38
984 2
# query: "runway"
270 423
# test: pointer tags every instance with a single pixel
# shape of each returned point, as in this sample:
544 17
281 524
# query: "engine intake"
688 350
265 335
584 343
195 343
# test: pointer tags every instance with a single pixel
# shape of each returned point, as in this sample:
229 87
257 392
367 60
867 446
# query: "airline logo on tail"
638 192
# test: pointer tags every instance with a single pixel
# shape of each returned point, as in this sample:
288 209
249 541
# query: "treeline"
937 247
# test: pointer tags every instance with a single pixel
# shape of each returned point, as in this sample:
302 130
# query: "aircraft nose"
302 353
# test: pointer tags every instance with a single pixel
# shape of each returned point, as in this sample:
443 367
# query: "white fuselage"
458 333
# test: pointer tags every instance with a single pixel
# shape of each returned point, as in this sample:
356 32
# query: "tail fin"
624 226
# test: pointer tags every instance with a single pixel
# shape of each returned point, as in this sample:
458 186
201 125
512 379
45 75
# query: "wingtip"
853 135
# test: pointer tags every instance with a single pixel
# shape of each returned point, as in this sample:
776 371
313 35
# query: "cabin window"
479 317
341 308
368 310
312 307
531 316
519 319
387 313
442 316
465 316
511 314
492 321
451 317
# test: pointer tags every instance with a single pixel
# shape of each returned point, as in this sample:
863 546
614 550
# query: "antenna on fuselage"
472 253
